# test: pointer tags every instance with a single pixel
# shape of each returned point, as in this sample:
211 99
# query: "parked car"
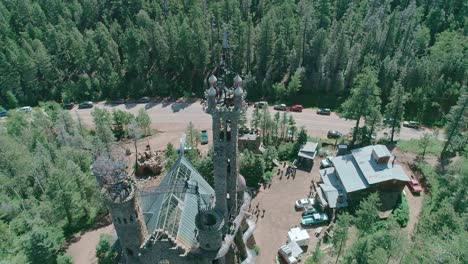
313 219
68 106
144 100
3 113
87 104
301 203
411 124
280 107
414 186
334 134
388 121
326 163
296 108
309 209
204 137
25 109
117 101
261 104
324 111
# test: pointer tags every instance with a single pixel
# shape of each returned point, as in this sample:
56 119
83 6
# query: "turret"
118 190
127 216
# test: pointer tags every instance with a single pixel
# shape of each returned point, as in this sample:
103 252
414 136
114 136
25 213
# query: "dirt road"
175 116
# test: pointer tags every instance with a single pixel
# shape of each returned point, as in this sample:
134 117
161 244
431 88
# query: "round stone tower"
127 216
209 224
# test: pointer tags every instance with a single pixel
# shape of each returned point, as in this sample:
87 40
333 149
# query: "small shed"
290 252
300 236
307 152
342 149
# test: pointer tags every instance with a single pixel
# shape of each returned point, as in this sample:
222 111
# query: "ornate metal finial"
212 80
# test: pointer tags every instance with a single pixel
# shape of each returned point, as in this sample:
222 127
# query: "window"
118 220
131 218
125 220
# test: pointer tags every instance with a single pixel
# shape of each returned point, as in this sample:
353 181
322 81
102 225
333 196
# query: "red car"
414 186
296 108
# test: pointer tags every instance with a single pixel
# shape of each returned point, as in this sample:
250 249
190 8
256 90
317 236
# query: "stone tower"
119 193
127 216
225 105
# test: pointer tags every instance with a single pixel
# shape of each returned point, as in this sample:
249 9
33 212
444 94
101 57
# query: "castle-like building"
184 219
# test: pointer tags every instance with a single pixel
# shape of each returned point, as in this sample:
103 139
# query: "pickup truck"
313 219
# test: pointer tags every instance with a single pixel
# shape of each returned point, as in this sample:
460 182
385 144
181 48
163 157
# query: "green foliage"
64 259
364 101
252 168
256 249
301 140
367 214
395 109
433 146
41 245
104 139
205 166
122 120
144 121
267 176
104 252
316 256
456 134
286 151
170 155
193 136
340 235
47 189
269 155
401 213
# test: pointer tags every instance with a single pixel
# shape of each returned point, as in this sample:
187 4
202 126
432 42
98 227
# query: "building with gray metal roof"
365 169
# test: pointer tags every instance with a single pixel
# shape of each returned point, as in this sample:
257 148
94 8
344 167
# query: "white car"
326 163
301 203
25 109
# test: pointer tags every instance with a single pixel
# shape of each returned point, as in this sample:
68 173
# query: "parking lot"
280 215
174 116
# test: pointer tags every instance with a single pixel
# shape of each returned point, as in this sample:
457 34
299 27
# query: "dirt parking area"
280 215
83 251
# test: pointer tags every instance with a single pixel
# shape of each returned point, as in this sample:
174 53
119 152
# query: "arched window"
125 220
118 220
129 252
131 218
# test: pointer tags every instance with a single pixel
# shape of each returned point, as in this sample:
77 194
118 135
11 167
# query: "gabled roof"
348 171
375 172
171 207
333 189
308 151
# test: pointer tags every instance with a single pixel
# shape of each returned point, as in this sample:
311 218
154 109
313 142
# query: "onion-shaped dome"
237 80
212 80
212 91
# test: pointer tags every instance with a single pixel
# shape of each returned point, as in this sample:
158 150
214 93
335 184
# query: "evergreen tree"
457 120
364 99
395 109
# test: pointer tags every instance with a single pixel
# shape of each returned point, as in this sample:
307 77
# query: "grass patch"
414 146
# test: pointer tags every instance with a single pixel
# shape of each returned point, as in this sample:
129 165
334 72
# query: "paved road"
175 116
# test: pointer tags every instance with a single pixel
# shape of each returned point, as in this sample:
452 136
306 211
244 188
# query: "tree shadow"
130 105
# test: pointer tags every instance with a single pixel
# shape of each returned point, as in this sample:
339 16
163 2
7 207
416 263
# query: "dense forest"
90 50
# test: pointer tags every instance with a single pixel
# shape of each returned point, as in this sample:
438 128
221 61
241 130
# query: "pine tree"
364 99
395 109
457 120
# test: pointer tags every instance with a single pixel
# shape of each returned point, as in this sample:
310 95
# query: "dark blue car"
3 113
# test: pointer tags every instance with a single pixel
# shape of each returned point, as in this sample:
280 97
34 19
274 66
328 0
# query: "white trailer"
300 236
